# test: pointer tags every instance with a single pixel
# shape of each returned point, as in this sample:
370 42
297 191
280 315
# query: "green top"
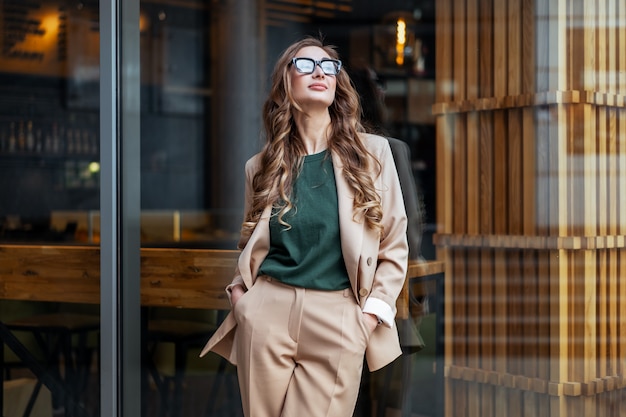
309 254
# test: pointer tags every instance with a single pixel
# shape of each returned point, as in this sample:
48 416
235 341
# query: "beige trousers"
299 351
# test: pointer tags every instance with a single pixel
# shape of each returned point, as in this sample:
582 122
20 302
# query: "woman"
324 250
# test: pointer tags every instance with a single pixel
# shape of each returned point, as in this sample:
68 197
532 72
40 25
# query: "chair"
184 330
62 337
411 342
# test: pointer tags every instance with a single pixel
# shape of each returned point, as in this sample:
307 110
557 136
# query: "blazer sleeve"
393 250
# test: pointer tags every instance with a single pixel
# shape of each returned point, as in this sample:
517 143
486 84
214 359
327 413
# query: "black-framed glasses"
307 65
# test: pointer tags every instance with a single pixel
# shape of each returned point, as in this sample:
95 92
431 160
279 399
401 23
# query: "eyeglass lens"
307 65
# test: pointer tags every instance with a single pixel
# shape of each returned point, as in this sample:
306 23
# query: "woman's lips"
319 87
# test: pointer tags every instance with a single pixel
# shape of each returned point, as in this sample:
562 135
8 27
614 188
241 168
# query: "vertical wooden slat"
574 224
500 207
621 193
485 192
542 203
444 63
473 207
531 272
558 180
444 130
460 199
588 365
613 193
514 189
602 198
515 348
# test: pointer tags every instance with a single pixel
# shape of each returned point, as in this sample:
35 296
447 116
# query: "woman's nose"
318 72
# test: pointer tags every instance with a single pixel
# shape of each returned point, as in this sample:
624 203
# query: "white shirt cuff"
380 309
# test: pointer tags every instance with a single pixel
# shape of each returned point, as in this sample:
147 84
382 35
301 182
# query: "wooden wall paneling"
562 156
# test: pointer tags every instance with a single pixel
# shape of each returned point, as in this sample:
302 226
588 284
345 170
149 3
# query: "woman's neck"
313 131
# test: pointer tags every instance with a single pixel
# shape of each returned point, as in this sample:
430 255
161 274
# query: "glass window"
50 185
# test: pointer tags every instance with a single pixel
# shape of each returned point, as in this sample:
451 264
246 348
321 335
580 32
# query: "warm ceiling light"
400 41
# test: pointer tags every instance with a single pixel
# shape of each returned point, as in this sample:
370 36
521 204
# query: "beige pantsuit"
299 351
262 349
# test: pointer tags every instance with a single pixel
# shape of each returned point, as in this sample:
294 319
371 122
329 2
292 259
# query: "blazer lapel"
351 232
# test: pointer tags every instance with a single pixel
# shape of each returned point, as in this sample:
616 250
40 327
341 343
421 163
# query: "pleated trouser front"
299 351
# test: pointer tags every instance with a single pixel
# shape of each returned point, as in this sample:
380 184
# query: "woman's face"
316 89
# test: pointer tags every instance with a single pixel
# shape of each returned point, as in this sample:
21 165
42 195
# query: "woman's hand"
371 321
235 294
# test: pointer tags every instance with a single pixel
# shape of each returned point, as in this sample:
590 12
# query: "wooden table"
170 277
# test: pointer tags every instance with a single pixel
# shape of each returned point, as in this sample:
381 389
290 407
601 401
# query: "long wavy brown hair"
283 153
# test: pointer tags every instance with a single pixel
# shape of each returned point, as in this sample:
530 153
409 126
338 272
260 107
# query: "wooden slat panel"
612 361
500 207
474 352
550 135
531 272
515 203
621 198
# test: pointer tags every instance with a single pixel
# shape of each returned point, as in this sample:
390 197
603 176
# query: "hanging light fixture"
399 40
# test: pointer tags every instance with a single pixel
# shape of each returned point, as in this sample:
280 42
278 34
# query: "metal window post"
120 390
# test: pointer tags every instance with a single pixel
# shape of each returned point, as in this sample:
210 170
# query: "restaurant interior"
204 68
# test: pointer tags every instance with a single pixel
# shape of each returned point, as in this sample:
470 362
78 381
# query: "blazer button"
363 292
369 261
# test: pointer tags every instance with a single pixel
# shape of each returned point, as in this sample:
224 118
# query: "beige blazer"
376 265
